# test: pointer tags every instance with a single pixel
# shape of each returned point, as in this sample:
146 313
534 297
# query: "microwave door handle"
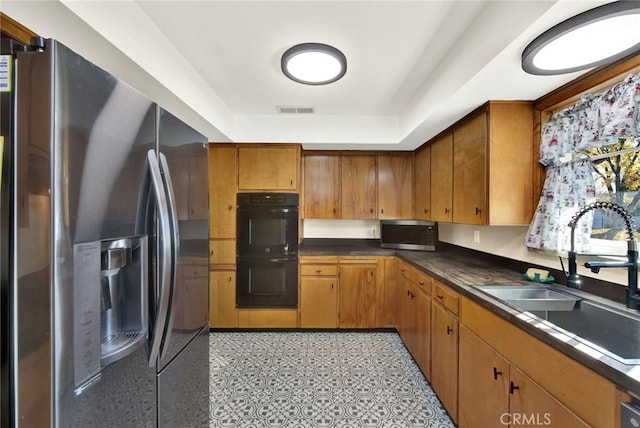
164 258
175 243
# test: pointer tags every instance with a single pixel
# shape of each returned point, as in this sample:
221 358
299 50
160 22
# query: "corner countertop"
464 269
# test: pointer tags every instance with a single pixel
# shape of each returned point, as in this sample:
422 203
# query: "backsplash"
505 241
349 229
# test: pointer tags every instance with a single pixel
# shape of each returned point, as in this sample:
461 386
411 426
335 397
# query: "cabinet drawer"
418 278
444 296
318 270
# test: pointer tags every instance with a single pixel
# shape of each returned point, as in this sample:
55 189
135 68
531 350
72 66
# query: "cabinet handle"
446 210
371 210
513 387
478 211
440 296
426 210
334 210
332 285
382 211
496 373
408 293
229 280
319 271
291 183
421 282
449 330
230 207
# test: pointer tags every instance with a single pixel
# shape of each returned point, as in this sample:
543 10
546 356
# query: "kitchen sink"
607 330
616 332
532 297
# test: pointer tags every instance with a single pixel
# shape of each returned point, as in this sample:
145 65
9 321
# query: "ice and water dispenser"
110 304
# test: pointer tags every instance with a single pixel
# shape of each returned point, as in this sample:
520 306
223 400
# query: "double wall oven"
267 250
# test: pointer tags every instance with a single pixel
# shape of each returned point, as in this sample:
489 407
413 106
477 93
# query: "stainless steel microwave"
409 234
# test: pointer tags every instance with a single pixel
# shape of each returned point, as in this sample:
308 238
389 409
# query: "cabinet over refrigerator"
102 326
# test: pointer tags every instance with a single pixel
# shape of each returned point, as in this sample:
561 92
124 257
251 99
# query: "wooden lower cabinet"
318 292
388 297
548 382
444 358
414 316
358 293
222 299
494 393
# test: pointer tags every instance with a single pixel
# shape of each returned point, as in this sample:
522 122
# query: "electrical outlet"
476 236
373 231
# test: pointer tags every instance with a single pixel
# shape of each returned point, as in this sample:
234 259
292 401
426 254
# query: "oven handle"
283 259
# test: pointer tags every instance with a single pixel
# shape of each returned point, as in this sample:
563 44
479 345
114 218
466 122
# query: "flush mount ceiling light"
592 38
313 64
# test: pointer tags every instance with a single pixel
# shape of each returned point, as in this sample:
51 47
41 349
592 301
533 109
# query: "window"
616 173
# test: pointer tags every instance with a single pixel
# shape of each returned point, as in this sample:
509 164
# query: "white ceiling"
414 67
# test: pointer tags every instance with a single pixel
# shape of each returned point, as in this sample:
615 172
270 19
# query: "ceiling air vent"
295 110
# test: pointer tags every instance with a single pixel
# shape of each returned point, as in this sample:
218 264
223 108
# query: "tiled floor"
318 379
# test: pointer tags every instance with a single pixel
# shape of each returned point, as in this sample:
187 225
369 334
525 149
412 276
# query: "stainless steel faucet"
573 279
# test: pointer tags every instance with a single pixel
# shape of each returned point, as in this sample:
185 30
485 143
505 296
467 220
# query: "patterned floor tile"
318 379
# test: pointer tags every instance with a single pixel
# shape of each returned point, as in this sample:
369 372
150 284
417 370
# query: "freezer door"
183 156
82 136
183 386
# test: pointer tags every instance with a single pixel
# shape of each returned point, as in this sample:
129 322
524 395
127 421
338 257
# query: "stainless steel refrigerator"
104 231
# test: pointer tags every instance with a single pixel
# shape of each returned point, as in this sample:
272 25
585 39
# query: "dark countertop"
462 269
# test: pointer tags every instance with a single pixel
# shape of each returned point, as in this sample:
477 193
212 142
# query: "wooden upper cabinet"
470 172
511 162
358 187
222 191
491 164
441 178
268 167
395 185
322 186
422 183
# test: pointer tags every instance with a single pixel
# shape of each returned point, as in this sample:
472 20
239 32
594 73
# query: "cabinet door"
387 303
422 184
222 251
483 388
441 178
470 171
357 296
358 187
421 320
318 302
403 311
395 186
268 168
222 298
322 186
444 358
531 406
222 192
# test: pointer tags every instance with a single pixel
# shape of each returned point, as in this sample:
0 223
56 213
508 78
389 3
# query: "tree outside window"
616 172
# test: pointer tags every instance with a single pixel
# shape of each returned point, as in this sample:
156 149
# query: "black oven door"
267 282
267 231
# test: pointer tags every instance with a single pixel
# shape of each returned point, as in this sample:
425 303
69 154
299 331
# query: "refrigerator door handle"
164 258
175 243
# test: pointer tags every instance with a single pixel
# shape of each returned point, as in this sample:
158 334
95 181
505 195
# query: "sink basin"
615 332
531 297
610 331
